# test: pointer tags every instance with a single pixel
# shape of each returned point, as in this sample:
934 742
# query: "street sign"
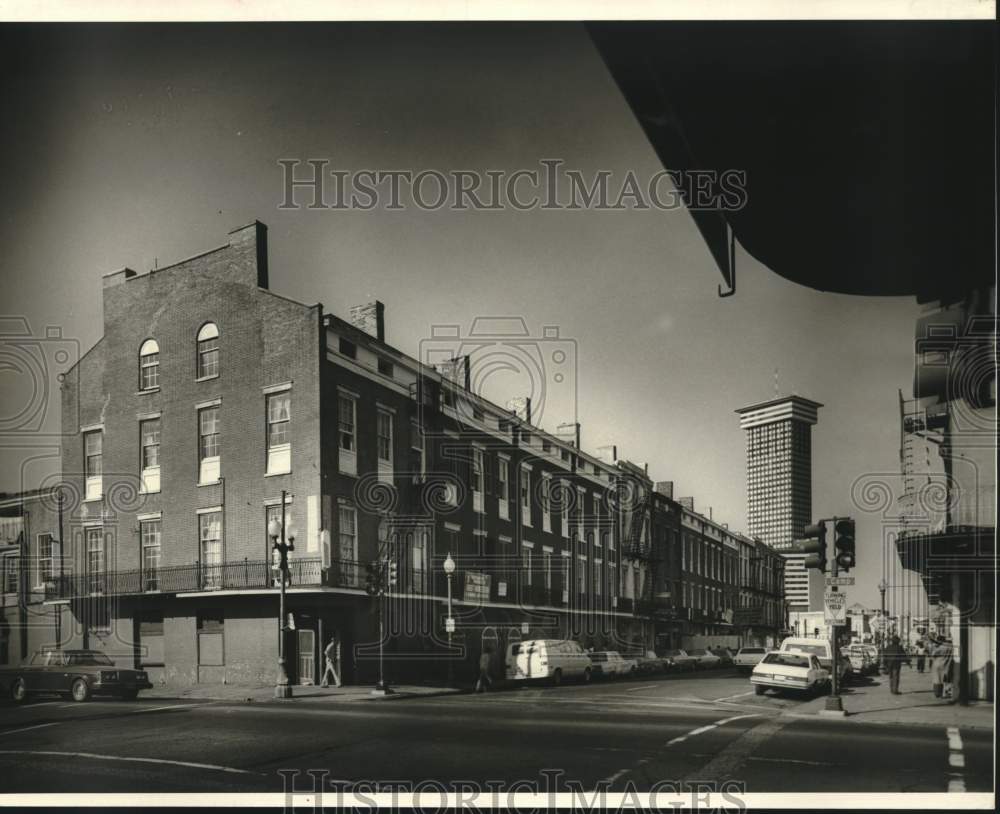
840 580
449 625
835 608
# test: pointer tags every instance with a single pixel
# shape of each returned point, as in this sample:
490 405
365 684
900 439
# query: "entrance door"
307 656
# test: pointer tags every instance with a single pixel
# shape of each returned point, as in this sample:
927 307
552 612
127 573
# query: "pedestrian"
942 658
894 656
484 679
332 668
921 655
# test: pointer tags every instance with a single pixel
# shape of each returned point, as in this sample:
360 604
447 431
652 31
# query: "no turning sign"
835 607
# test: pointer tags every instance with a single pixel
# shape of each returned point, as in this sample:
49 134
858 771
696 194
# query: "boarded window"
211 652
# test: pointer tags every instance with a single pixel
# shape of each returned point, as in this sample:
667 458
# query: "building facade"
779 486
212 406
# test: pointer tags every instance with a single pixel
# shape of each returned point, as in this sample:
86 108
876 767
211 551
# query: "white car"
815 647
552 660
706 658
789 670
611 664
747 658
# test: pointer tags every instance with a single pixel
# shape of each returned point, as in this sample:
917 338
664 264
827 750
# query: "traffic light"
814 545
371 578
393 572
843 543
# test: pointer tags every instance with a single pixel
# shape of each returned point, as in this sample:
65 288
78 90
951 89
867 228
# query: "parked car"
706 659
76 674
611 664
861 661
815 647
650 663
725 655
789 670
746 658
680 660
552 660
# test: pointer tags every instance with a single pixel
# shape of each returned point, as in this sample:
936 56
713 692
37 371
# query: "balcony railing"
245 574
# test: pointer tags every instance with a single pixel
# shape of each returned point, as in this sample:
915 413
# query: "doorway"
306 641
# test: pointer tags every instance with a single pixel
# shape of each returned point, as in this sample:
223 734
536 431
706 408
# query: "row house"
212 406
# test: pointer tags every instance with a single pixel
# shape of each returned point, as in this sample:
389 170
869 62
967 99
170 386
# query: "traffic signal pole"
834 706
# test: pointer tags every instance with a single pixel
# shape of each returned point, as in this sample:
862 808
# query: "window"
384 436
385 367
503 486
348 348
477 479
151 639
208 445
347 426
208 351
565 492
149 365
93 451
46 558
546 502
348 550
526 564
279 446
581 575
597 577
149 534
417 461
211 639
547 566
210 533
526 495
94 539
149 454
612 578
12 567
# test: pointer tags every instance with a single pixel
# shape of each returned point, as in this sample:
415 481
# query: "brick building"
209 397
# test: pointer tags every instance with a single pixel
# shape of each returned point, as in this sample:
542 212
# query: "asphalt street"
704 727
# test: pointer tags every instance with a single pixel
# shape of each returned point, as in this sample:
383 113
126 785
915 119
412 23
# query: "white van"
554 660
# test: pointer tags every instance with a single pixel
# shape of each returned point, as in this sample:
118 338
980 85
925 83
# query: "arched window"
149 365
208 351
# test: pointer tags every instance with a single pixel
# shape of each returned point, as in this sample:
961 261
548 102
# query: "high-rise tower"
779 480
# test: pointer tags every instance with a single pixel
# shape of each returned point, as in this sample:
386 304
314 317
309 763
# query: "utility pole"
833 702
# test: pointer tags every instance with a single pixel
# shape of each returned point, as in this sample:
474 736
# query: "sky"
124 146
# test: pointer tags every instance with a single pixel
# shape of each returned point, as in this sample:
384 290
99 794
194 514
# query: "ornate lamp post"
449 570
282 541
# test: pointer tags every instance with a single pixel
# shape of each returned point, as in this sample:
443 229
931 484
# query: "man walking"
484 679
921 655
894 656
332 654
942 657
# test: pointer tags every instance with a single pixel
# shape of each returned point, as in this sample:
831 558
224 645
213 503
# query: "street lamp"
882 585
449 570
279 534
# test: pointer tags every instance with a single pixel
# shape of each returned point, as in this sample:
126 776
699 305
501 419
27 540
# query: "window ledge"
97 499
349 474
210 482
147 392
149 491
275 474
207 378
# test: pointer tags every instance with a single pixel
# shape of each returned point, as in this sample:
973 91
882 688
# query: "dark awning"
869 147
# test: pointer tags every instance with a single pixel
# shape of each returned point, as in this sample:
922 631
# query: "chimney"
370 318
117 277
665 487
608 453
687 503
709 512
253 234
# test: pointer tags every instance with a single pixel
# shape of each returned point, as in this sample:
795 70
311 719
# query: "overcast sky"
122 147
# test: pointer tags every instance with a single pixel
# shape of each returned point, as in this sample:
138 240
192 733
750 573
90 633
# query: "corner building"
209 395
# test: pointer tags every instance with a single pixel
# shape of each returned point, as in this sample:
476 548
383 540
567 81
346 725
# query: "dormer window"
348 348
149 365
208 351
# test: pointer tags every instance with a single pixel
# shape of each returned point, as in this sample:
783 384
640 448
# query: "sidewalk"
871 702
259 693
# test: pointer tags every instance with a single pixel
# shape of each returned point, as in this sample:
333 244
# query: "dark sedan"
77 674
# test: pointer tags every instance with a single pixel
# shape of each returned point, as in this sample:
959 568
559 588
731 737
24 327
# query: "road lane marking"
729 761
702 729
644 687
615 776
740 695
186 764
26 728
170 706
956 760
